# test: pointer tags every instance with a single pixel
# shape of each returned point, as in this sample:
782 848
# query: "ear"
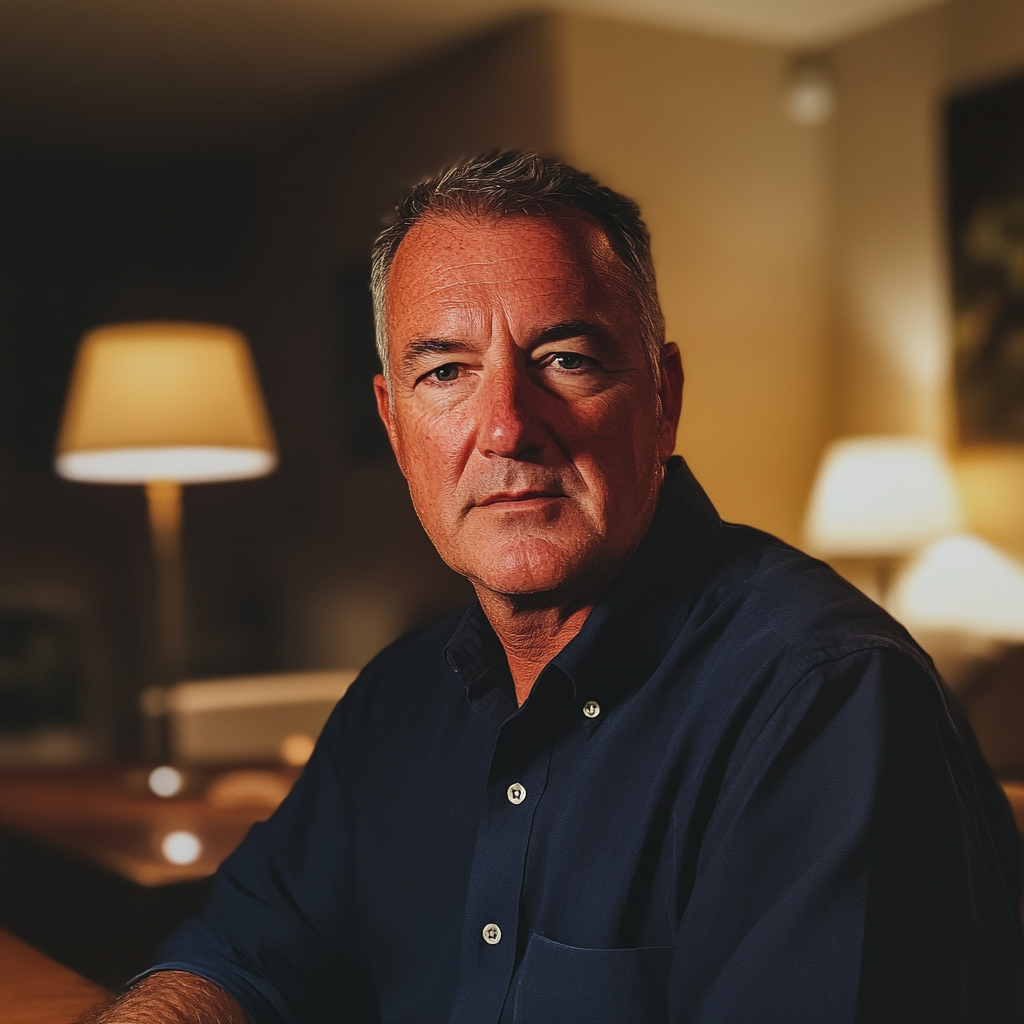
670 391
384 411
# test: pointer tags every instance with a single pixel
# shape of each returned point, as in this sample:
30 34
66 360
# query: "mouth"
517 499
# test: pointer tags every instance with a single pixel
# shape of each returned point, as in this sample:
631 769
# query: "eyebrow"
429 347
575 329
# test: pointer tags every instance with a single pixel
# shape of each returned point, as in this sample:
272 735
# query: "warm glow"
296 749
188 465
248 788
962 584
881 496
810 94
166 781
181 847
164 401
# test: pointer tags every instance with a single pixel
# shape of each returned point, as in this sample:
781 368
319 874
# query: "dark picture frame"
985 174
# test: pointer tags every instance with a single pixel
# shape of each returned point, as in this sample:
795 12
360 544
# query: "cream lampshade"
165 404
963 599
881 497
164 401
962 584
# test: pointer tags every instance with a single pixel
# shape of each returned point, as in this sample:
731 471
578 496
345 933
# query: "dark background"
321 563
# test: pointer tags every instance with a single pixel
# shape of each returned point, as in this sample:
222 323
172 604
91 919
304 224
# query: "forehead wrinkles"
441 253
441 280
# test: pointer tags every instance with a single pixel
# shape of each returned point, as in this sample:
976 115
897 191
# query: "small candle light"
166 781
181 847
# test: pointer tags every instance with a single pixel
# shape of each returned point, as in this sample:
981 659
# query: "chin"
534 568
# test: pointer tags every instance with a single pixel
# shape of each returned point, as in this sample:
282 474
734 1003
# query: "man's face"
524 412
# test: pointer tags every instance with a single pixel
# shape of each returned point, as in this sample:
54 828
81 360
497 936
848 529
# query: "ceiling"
101 70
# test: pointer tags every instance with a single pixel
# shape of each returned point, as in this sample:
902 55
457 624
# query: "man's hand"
170 997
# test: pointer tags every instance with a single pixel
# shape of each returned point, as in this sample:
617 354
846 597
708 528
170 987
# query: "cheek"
618 457
620 434
433 447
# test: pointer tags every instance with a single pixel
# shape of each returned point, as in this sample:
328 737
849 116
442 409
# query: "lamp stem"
164 500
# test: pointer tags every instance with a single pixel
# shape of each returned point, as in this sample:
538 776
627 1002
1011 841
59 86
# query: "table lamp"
963 600
162 405
962 584
879 498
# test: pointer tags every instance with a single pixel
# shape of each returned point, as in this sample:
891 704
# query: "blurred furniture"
96 869
993 697
165 404
37 990
1015 794
994 701
42 688
252 718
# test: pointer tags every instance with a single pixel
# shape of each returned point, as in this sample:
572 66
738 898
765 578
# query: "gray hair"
508 182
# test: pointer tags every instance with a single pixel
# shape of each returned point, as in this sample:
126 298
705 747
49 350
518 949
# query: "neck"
530 634
533 628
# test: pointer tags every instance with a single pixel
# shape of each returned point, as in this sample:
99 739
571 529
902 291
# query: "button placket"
492 905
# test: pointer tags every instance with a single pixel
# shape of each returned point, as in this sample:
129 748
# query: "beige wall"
894 352
736 199
802 270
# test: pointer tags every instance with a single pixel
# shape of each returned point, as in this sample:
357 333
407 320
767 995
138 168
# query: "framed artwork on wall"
985 174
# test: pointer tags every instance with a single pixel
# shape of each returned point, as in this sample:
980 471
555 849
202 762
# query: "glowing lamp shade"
962 584
881 497
164 401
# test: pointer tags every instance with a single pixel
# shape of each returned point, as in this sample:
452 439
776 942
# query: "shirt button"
591 709
492 934
516 793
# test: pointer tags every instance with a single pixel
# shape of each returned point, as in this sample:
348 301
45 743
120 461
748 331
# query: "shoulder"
767 587
422 647
397 685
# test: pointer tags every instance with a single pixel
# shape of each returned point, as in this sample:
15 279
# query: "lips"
515 497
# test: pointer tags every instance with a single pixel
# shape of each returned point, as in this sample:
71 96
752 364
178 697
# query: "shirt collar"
631 628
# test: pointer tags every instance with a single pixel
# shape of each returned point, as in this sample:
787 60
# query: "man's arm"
170 997
853 869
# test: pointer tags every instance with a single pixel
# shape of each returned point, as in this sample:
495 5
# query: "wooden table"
37 990
1015 794
84 876
83 879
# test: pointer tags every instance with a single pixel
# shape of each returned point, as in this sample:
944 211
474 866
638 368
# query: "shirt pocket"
558 984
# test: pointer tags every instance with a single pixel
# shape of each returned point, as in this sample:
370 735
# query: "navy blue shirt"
740 793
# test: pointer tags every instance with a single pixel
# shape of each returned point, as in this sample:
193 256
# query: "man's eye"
446 373
569 361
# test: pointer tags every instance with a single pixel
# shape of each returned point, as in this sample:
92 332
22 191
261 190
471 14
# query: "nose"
509 428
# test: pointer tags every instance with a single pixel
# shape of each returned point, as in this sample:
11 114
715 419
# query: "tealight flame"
181 847
166 781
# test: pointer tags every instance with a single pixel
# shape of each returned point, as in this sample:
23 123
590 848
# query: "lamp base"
163 498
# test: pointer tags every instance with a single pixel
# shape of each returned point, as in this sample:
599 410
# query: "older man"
665 768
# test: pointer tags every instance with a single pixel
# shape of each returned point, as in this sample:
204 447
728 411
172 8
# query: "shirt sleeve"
280 930
860 863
